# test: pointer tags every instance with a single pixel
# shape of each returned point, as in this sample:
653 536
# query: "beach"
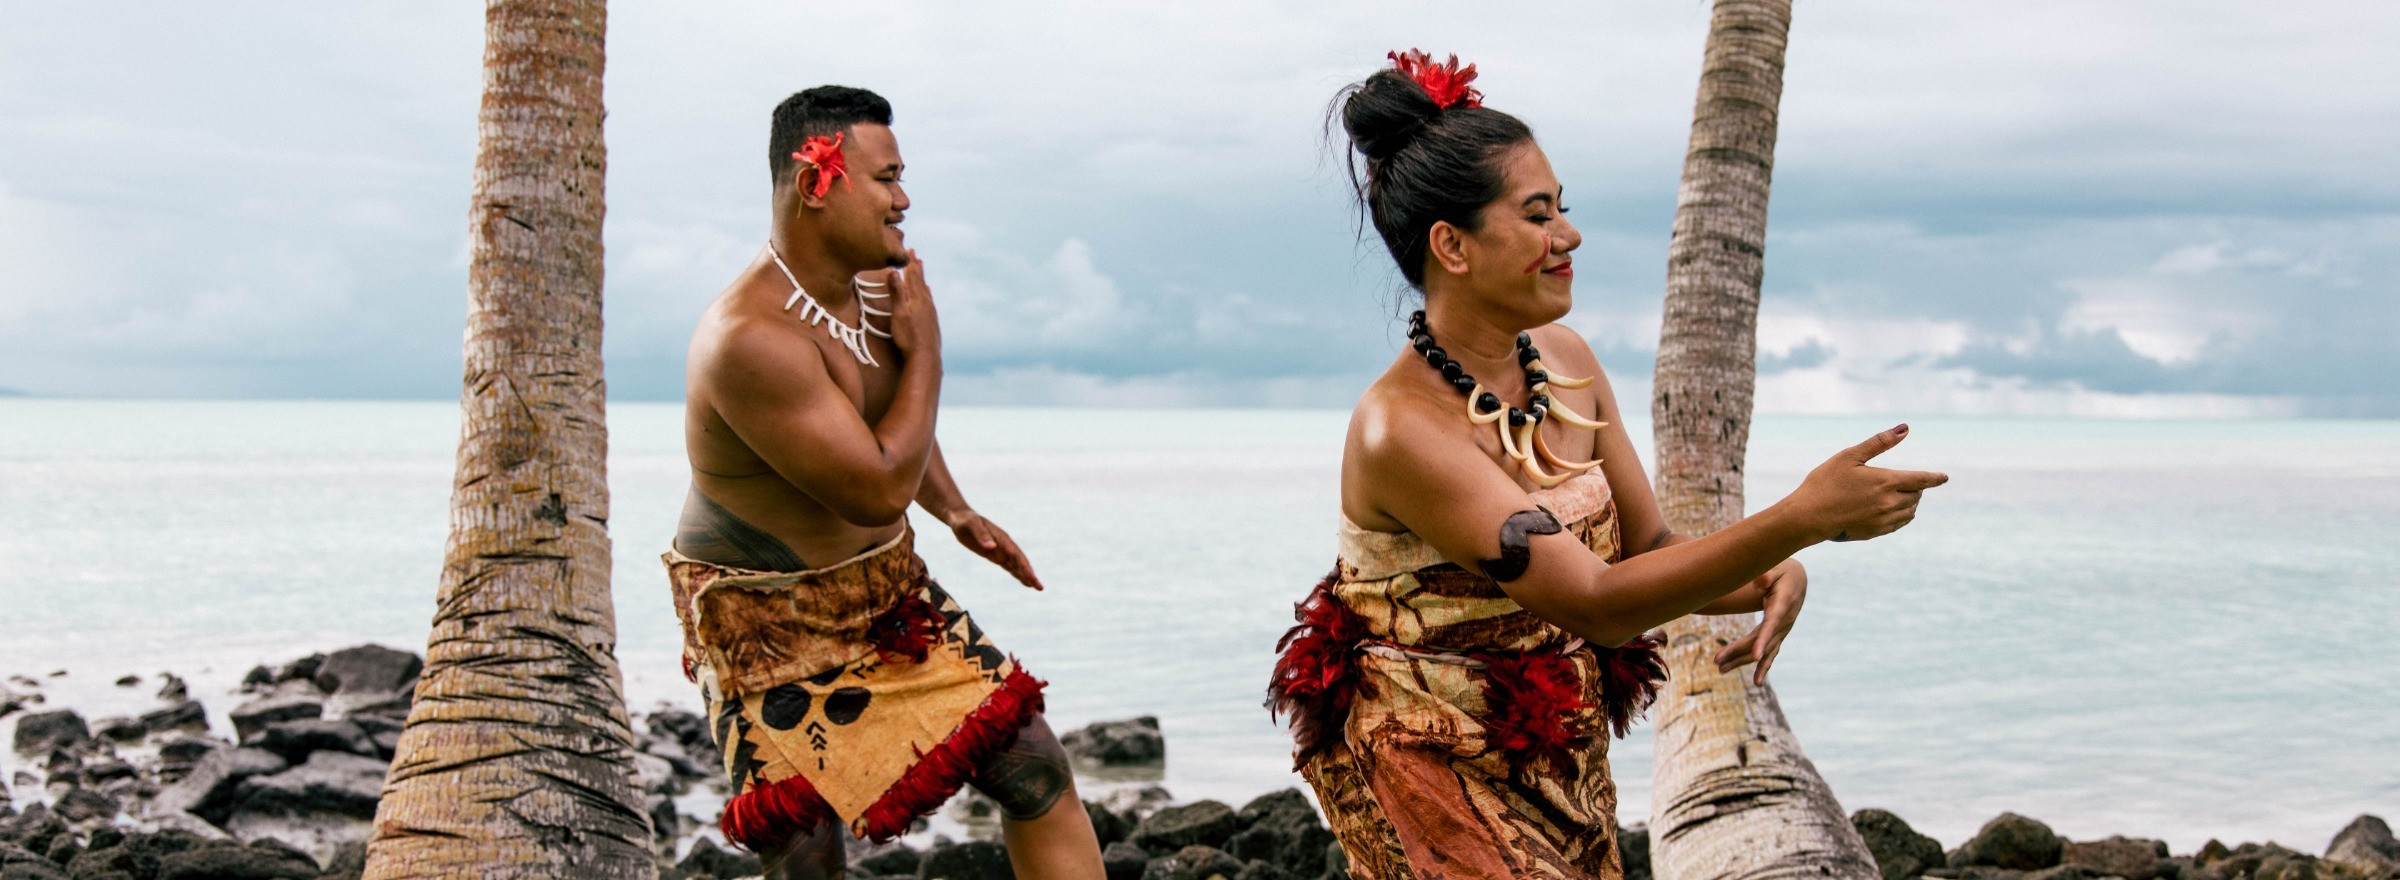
2168 630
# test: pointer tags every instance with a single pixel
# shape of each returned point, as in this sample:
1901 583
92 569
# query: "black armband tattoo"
1516 548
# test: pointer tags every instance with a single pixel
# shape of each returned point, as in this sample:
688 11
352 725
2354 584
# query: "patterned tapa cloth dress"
859 692
1448 731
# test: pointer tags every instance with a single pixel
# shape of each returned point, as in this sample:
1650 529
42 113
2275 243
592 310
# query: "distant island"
6 391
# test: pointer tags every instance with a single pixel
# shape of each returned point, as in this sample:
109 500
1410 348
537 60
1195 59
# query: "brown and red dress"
1448 731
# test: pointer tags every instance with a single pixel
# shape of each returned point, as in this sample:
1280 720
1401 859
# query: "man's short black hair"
819 111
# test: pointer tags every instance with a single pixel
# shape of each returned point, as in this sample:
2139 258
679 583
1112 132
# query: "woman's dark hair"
818 112
1424 164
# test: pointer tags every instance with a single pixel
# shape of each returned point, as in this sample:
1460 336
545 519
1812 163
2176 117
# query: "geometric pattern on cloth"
828 726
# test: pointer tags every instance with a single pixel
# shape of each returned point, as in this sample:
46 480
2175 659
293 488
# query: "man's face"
862 212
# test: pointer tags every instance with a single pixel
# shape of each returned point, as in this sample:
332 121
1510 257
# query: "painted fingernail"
1902 429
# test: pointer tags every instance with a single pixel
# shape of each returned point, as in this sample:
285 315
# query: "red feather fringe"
907 631
768 816
1315 679
1629 679
938 774
1528 697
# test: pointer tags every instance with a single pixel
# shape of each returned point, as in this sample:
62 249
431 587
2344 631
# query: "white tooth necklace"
813 312
1520 429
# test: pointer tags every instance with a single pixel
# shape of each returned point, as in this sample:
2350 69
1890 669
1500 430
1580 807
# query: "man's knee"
1030 776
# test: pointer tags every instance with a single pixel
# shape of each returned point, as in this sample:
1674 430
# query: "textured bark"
1733 795
517 759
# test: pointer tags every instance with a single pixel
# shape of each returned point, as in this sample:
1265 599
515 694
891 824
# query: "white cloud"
2151 197
996 303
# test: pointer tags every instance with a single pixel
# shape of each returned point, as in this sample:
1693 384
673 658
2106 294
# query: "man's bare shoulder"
739 344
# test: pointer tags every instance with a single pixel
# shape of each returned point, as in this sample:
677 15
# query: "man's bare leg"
1058 845
1048 835
816 855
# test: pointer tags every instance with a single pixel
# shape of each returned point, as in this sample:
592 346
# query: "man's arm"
782 403
939 495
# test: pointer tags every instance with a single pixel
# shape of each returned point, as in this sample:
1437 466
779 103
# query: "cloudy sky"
2143 207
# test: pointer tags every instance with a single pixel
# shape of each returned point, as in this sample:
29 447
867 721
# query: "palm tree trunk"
1733 796
517 757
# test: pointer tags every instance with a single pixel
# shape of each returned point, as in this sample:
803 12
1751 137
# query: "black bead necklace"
1520 429
1536 408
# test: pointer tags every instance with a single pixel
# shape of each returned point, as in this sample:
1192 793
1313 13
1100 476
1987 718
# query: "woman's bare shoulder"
1564 348
1396 417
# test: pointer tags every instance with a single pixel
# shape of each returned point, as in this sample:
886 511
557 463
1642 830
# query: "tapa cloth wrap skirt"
1449 732
859 692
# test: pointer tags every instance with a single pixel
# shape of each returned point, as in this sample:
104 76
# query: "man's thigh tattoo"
1027 778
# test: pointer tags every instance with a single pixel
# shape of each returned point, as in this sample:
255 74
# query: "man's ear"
802 176
1447 246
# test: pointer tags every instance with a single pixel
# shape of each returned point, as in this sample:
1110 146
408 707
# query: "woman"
1452 682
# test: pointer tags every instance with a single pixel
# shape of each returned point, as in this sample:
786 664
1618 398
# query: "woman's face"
1517 264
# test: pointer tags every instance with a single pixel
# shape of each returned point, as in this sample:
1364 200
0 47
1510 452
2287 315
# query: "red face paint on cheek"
1544 258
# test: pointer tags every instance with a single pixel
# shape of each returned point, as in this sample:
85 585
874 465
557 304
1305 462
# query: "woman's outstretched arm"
1436 481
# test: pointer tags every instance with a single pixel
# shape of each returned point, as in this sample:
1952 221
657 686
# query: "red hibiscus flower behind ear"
1447 83
825 155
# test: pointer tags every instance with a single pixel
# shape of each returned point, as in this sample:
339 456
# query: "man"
845 688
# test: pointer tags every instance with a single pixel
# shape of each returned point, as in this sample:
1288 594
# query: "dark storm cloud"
1134 204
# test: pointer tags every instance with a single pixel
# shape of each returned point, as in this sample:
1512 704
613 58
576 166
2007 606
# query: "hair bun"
1433 151
1386 112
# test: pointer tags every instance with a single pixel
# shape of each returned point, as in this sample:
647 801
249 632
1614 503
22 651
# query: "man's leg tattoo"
1027 778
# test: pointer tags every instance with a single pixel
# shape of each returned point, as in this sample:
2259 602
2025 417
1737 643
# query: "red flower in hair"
1446 83
825 154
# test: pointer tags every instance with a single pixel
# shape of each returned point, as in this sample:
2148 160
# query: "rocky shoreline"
159 795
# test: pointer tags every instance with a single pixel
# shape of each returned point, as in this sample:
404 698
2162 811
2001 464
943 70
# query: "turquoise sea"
2180 630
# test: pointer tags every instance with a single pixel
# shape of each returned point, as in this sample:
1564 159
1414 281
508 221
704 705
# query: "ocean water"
2171 629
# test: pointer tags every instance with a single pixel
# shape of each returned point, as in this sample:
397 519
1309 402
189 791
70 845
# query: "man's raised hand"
916 331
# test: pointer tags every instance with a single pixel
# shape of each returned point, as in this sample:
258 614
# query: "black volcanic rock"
329 783
1898 849
40 732
1131 742
237 863
2013 842
1124 861
208 790
294 740
187 716
1207 823
368 672
2365 841
975 860
289 701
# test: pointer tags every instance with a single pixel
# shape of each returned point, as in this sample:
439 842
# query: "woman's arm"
1779 593
1425 470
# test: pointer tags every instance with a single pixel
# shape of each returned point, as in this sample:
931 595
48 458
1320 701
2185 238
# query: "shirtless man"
829 660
